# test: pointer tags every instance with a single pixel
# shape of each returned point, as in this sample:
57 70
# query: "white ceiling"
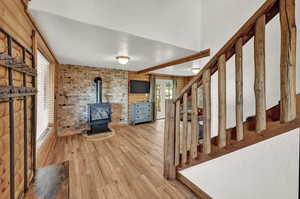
153 36
77 43
175 22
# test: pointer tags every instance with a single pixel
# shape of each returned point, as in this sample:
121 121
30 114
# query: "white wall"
221 19
265 170
269 169
174 22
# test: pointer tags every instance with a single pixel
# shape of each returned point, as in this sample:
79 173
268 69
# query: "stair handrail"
270 8
181 143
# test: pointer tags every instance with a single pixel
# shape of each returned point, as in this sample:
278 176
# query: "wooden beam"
194 124
288 61
239 89
270 7
207 111
222 101
201 54
260 77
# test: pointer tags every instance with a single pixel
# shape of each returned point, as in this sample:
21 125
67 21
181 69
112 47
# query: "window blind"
43 94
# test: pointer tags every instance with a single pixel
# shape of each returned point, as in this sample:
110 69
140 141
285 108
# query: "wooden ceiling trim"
42 42
201 54
41 36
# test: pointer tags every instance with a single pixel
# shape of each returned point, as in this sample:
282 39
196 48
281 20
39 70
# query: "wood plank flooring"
127 166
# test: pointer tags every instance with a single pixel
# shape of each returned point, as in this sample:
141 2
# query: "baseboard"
198 192
117 124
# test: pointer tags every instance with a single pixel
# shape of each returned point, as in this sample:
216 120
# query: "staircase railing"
182 146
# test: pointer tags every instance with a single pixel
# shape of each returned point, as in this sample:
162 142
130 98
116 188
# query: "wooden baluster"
177 134
259 86
207 111
181 129
288 61
222 100
194 127
169 141
239 89
184 130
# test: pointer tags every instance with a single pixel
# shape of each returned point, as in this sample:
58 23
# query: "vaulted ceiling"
94 32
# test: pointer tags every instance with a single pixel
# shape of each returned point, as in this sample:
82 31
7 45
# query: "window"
169 90
43 94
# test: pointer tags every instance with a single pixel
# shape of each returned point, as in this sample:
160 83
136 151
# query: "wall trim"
197 191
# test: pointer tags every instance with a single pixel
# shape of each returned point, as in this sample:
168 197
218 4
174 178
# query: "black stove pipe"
98 82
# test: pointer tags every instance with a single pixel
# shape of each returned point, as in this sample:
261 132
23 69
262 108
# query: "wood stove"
99 114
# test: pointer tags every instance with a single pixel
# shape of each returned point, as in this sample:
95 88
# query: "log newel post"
169 141
177 133
239 89
288 61
259 85
222 101
207 111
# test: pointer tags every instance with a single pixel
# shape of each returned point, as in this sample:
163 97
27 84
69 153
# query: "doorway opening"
163 91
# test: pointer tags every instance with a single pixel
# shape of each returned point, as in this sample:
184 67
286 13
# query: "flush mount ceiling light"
123 59
195 69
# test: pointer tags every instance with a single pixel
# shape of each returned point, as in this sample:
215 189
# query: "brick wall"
76 89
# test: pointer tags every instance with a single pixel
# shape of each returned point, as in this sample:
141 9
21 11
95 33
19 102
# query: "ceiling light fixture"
123 59
195 69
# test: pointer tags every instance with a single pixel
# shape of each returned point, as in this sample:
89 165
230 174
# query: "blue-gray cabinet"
141 112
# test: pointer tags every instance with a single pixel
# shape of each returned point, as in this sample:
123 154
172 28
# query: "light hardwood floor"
128 165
